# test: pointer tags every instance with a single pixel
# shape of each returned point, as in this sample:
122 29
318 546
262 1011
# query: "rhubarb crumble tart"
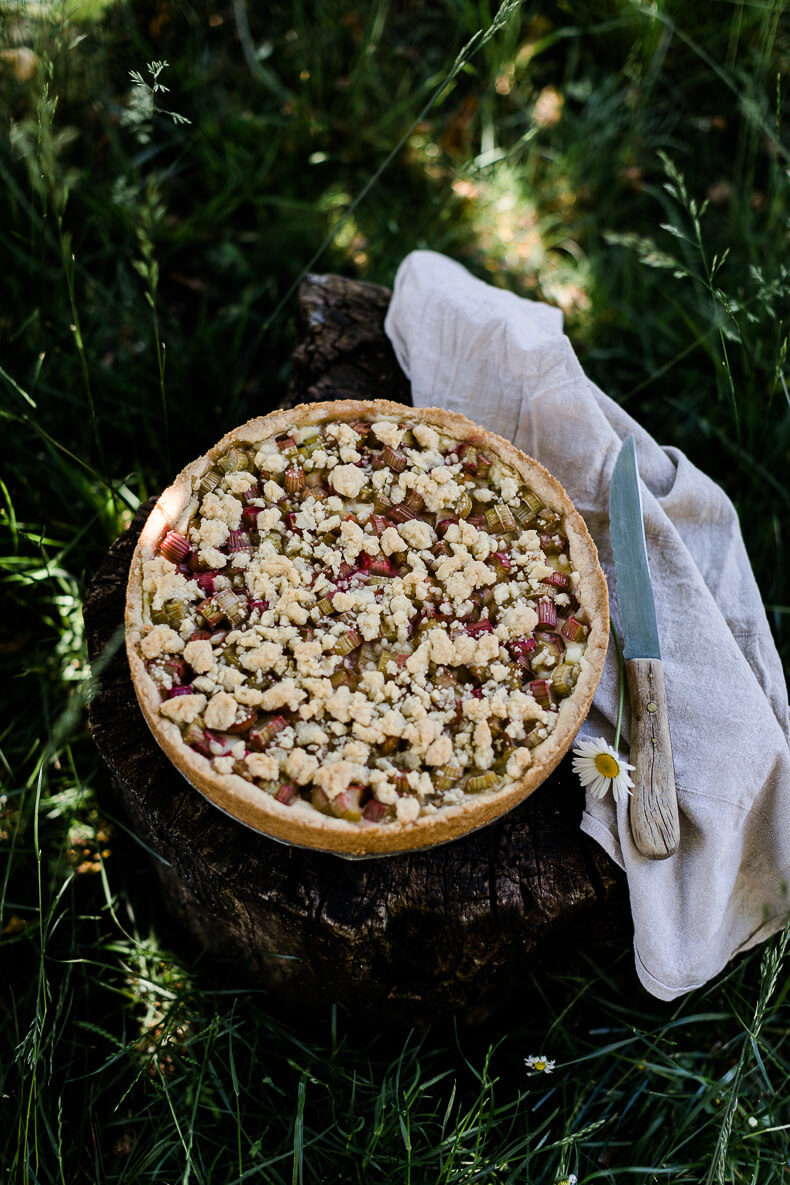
364 627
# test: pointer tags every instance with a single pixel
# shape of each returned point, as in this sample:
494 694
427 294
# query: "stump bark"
451 930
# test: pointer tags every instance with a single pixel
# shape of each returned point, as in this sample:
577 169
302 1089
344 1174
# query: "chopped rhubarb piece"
393 460
467 454
256 606
383 505
379 523
443 524
285 443
549 520
502 559
477 782
402 513
573 630
521 650
174 547
177 669
477 520
464 507
563 678
341 678
231 605
250 494
347 805
209 482
234 459
320 800
294 480
374 811
381 565
249 516
261 735
290 519
547 613
239 541
286 794
211 612
348 642
499 519
415 501
198 739
541 690
310 446
366 657
552 544
205 580
186 689
246 722
547 637
174 613
558 579
324 606
528 509
440 548
476 628
446 777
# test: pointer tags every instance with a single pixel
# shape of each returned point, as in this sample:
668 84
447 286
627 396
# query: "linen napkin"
504 362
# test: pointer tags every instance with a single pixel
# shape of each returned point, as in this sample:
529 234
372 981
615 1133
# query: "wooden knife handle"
654 803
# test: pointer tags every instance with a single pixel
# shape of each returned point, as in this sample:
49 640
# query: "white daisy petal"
599 766
539 1063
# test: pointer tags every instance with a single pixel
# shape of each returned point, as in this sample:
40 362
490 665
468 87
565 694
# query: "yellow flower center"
606 765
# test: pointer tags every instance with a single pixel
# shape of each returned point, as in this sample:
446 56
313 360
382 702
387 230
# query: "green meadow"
169 172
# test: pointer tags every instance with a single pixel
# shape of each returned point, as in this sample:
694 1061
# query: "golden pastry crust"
299 823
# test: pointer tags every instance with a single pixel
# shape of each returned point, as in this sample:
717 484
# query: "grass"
627 162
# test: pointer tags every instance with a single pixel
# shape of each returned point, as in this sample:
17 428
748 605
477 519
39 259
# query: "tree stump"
449 930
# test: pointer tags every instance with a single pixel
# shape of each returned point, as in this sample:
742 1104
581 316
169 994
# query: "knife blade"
654 810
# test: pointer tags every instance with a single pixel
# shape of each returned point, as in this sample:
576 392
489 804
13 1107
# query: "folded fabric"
503 361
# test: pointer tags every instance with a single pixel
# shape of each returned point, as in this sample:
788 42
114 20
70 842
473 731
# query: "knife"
654 804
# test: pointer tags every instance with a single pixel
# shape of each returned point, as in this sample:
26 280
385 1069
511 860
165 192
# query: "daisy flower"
600 766
539 1063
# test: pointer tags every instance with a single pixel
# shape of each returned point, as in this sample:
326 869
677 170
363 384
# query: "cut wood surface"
453 929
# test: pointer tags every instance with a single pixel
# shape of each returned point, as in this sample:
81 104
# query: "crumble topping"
371 619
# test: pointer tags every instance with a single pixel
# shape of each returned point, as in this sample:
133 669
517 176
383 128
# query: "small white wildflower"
599 766
752 1121
539 1063
571 1179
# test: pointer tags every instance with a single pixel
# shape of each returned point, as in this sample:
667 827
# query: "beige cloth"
504 362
